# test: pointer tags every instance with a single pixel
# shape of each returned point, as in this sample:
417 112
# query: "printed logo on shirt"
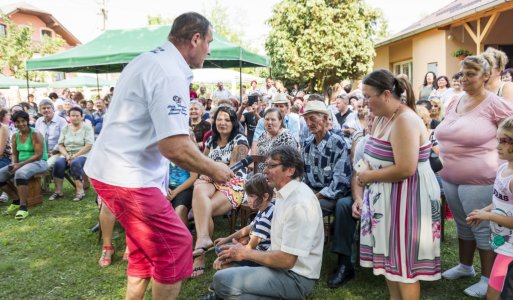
157 50
177 107
500 196
177 99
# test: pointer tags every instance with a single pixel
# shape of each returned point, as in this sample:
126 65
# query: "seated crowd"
46 138
367 154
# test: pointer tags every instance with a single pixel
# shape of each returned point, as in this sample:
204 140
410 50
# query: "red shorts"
159 243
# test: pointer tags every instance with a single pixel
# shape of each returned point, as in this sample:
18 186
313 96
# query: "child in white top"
500 212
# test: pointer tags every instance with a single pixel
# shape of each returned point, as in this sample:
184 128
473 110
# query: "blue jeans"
76 168
4 162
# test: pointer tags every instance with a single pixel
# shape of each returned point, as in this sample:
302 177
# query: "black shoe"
210 296
341 276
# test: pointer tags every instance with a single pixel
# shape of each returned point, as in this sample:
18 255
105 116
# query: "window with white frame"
404 67
3 30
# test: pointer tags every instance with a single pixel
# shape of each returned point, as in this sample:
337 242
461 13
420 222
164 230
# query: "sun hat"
280 98
315 106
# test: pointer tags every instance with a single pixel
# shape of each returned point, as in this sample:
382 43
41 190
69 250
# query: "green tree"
16 47
323 41
158 20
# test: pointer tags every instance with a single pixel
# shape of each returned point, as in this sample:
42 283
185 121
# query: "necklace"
389 120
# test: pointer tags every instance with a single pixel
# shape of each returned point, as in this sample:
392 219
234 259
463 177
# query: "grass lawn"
52 255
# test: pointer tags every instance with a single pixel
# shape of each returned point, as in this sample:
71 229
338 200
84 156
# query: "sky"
82 19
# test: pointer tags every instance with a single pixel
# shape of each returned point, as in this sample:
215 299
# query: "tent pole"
240 80
28 91
97 84
240 75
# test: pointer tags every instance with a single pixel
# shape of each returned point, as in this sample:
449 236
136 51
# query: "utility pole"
103 14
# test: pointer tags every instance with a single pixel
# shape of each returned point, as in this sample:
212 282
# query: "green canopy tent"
81 81
113 49
7 82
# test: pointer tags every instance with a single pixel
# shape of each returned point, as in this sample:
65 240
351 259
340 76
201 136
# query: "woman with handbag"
470 164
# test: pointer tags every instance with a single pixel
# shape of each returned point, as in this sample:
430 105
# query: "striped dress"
400 221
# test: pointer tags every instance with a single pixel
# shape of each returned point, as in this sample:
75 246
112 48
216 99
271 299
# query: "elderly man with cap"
328 174
281 102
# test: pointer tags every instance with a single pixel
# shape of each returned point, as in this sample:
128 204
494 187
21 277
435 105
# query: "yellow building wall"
428 47
400 52
381 60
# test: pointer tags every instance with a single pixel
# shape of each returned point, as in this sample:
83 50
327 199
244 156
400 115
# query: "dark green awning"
114 49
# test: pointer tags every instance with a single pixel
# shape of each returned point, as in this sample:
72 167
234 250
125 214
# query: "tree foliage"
16 47
158 20
323 41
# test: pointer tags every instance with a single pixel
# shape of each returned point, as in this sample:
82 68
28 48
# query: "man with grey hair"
50 126
292 266
129 162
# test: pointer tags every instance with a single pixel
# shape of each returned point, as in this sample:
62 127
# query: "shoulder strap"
501 86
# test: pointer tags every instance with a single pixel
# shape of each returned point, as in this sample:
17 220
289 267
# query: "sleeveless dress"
400 221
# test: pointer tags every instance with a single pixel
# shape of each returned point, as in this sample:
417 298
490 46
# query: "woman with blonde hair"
437 111
470 165
498 61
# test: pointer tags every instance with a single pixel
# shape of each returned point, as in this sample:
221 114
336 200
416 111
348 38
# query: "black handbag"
435 162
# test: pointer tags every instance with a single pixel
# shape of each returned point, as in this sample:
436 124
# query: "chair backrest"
258 160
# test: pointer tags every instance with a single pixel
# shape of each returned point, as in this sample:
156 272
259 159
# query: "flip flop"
200 270
202 250
21 214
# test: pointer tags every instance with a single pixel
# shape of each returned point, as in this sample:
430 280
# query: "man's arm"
271 258
183 152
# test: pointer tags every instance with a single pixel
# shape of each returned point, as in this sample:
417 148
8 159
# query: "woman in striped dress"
400 218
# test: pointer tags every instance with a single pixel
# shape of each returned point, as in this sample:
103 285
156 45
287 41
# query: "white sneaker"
4 198
477 290
458 272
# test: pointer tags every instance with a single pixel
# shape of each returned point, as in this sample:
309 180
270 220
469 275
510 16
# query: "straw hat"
315 106
280 98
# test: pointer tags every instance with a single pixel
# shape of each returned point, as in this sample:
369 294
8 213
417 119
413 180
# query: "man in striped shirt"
328 174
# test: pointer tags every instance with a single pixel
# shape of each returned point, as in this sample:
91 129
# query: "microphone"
242 163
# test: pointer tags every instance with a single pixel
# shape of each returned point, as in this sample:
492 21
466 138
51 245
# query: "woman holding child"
211 199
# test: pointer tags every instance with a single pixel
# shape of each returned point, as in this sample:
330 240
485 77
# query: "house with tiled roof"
428 44
42 23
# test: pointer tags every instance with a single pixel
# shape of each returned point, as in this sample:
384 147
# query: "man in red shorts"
147 125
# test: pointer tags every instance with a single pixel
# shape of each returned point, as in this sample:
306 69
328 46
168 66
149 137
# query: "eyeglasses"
271 166
367 97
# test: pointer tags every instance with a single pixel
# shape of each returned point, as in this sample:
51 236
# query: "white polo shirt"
297 228
151 103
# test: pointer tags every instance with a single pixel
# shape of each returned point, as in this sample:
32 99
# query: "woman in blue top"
28 158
